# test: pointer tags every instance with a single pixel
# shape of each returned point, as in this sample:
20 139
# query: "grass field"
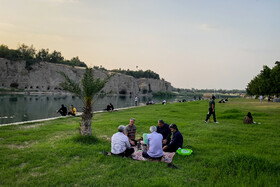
225 154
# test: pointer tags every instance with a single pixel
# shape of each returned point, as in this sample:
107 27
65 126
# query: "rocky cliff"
44 77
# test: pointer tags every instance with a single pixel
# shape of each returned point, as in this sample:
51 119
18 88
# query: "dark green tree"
4 51
56 57
26 52
265 83
275 78
43 55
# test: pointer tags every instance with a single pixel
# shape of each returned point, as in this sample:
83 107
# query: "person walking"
211 110
261 98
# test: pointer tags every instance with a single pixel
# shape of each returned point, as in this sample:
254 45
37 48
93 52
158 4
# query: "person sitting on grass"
110 108
154 145
164 130
177 140
62 110
248 119
130 131
73 111
120 145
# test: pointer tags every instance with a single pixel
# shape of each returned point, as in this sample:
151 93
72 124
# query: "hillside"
44 77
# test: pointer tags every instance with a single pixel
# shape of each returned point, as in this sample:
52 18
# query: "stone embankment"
44 77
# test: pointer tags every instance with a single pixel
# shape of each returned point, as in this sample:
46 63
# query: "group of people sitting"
158 140
150 103
63 111
223 100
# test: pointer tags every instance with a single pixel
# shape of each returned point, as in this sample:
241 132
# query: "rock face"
44 77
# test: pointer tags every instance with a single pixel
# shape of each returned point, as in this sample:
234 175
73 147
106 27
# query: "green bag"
184 151
145 138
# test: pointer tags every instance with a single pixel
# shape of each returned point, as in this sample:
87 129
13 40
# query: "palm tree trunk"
86 122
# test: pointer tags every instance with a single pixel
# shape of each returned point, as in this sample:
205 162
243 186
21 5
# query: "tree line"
31 56
138 74
193 90
267 82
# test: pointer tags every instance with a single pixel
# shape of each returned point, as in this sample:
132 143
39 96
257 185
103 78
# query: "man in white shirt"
120 144
154 144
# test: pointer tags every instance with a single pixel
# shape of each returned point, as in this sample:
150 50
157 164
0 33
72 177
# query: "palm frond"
91 86
70 85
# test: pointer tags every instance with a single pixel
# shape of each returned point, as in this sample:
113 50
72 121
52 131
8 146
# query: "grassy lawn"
225 154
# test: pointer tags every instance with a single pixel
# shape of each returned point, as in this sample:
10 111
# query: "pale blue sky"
192 44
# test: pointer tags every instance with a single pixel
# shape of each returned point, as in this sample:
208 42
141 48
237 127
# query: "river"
18 108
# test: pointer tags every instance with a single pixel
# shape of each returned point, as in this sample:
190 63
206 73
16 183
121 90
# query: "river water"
18 108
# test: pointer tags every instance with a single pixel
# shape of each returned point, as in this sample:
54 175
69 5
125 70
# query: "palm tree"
90 87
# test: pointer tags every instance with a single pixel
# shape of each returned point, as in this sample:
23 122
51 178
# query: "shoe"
216 122
170 165
205 121
104 153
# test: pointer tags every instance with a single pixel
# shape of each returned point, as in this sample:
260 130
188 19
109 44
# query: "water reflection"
30 107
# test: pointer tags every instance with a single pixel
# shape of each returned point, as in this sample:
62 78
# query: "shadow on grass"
86 140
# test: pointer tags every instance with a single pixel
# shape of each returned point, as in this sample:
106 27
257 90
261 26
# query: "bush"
29 54
164 94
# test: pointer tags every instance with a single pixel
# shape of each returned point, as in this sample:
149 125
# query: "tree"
4 51
26 52
56 57
75 61
275 78
43 55
90 87
265 83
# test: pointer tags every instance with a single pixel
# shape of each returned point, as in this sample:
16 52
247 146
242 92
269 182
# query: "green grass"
225 154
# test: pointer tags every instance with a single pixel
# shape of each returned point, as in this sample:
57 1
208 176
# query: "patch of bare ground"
104 137
17 146
32 126
36 174
22 165
61 136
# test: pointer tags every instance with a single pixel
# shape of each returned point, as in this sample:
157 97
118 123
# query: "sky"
217 44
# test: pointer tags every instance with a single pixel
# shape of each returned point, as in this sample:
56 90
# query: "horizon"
202 45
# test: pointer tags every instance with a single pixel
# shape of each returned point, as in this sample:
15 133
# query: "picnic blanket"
137 155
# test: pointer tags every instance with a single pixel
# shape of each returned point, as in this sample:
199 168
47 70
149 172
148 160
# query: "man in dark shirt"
164 130
177 140
62 110
211 110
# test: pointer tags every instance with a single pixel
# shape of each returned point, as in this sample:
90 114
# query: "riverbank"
58 117
51 153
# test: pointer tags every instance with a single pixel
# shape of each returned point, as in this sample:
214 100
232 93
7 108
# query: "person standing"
164 130
211 110
261 98
130 131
